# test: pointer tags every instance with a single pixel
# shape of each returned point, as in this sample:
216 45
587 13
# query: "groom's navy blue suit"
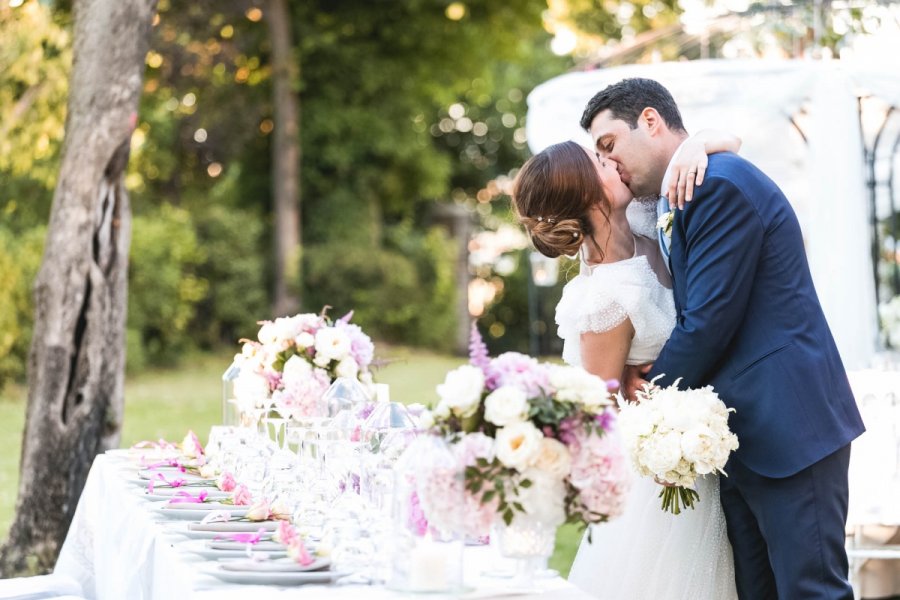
750 324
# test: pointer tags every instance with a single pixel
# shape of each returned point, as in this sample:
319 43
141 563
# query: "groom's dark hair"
628 98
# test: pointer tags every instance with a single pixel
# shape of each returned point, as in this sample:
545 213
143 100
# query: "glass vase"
529 542
426 517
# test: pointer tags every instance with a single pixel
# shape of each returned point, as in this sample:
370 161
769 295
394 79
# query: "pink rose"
226 482
242 496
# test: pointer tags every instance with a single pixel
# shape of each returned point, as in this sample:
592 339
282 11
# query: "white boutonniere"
665 223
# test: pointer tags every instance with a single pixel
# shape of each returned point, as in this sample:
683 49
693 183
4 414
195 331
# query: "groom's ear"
652 121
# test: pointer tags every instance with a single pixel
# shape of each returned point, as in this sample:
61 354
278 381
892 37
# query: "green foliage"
35 56
164 286
236 274
403 291
20 257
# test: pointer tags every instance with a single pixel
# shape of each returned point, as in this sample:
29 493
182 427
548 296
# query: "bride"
619 311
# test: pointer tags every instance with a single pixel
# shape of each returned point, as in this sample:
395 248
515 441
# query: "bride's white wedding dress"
644 554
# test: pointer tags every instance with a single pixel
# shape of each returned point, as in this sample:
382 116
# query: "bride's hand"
688 170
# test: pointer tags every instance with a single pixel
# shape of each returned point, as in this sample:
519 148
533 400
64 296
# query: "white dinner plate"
234 526
277 565
196 512
185 529
205 549
273 578
167 493
171 474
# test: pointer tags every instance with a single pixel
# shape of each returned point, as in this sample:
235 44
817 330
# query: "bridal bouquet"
532 438
677 436
295 359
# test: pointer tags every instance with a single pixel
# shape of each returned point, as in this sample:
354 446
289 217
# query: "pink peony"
521 371
600 472
302 398
361 347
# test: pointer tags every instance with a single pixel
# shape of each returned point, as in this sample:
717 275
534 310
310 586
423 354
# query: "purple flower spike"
479 357
612 385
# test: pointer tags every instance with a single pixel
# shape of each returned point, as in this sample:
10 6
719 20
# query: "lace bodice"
603 296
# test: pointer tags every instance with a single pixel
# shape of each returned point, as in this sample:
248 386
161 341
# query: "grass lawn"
166 403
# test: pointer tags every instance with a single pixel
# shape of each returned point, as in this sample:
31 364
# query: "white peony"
574 384
347 368
518 444
553 458
268 333
461 391
332 343
250 387
304 340
662 452
506 405
296 369
545 499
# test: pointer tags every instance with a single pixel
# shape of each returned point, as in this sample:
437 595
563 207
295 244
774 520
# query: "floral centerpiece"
535 441
676 436
295 359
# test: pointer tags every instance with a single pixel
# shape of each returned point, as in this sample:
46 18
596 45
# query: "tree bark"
285 159
77 359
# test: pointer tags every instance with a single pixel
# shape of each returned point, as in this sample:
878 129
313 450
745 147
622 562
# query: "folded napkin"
280 565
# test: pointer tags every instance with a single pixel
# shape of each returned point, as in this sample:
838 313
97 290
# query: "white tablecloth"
117 549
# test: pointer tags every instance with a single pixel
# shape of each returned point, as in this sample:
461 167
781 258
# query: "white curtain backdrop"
823 177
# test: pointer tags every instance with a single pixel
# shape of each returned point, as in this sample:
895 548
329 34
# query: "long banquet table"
118 548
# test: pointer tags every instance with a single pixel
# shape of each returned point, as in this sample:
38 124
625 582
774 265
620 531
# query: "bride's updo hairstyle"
553 194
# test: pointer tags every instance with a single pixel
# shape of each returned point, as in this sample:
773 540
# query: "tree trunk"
285 159
77 359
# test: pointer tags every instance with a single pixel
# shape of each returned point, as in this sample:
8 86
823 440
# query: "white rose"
250 386
304 340
553 458
425 420
442 410
347 368
544 499
286 329
518 444
296 369
333 343
574 384
506 405
268 333
461 390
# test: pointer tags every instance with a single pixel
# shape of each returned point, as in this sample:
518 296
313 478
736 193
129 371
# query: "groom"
749 323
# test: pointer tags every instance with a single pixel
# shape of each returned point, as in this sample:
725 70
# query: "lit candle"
428 566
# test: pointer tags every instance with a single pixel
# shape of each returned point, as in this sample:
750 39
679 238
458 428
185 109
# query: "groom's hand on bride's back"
634 380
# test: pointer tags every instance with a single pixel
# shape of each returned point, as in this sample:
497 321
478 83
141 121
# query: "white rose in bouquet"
506 405
250 388
577 385
296 369
331 344
268 333
553 458
676 436
304 340
461 391
347 368
518 444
